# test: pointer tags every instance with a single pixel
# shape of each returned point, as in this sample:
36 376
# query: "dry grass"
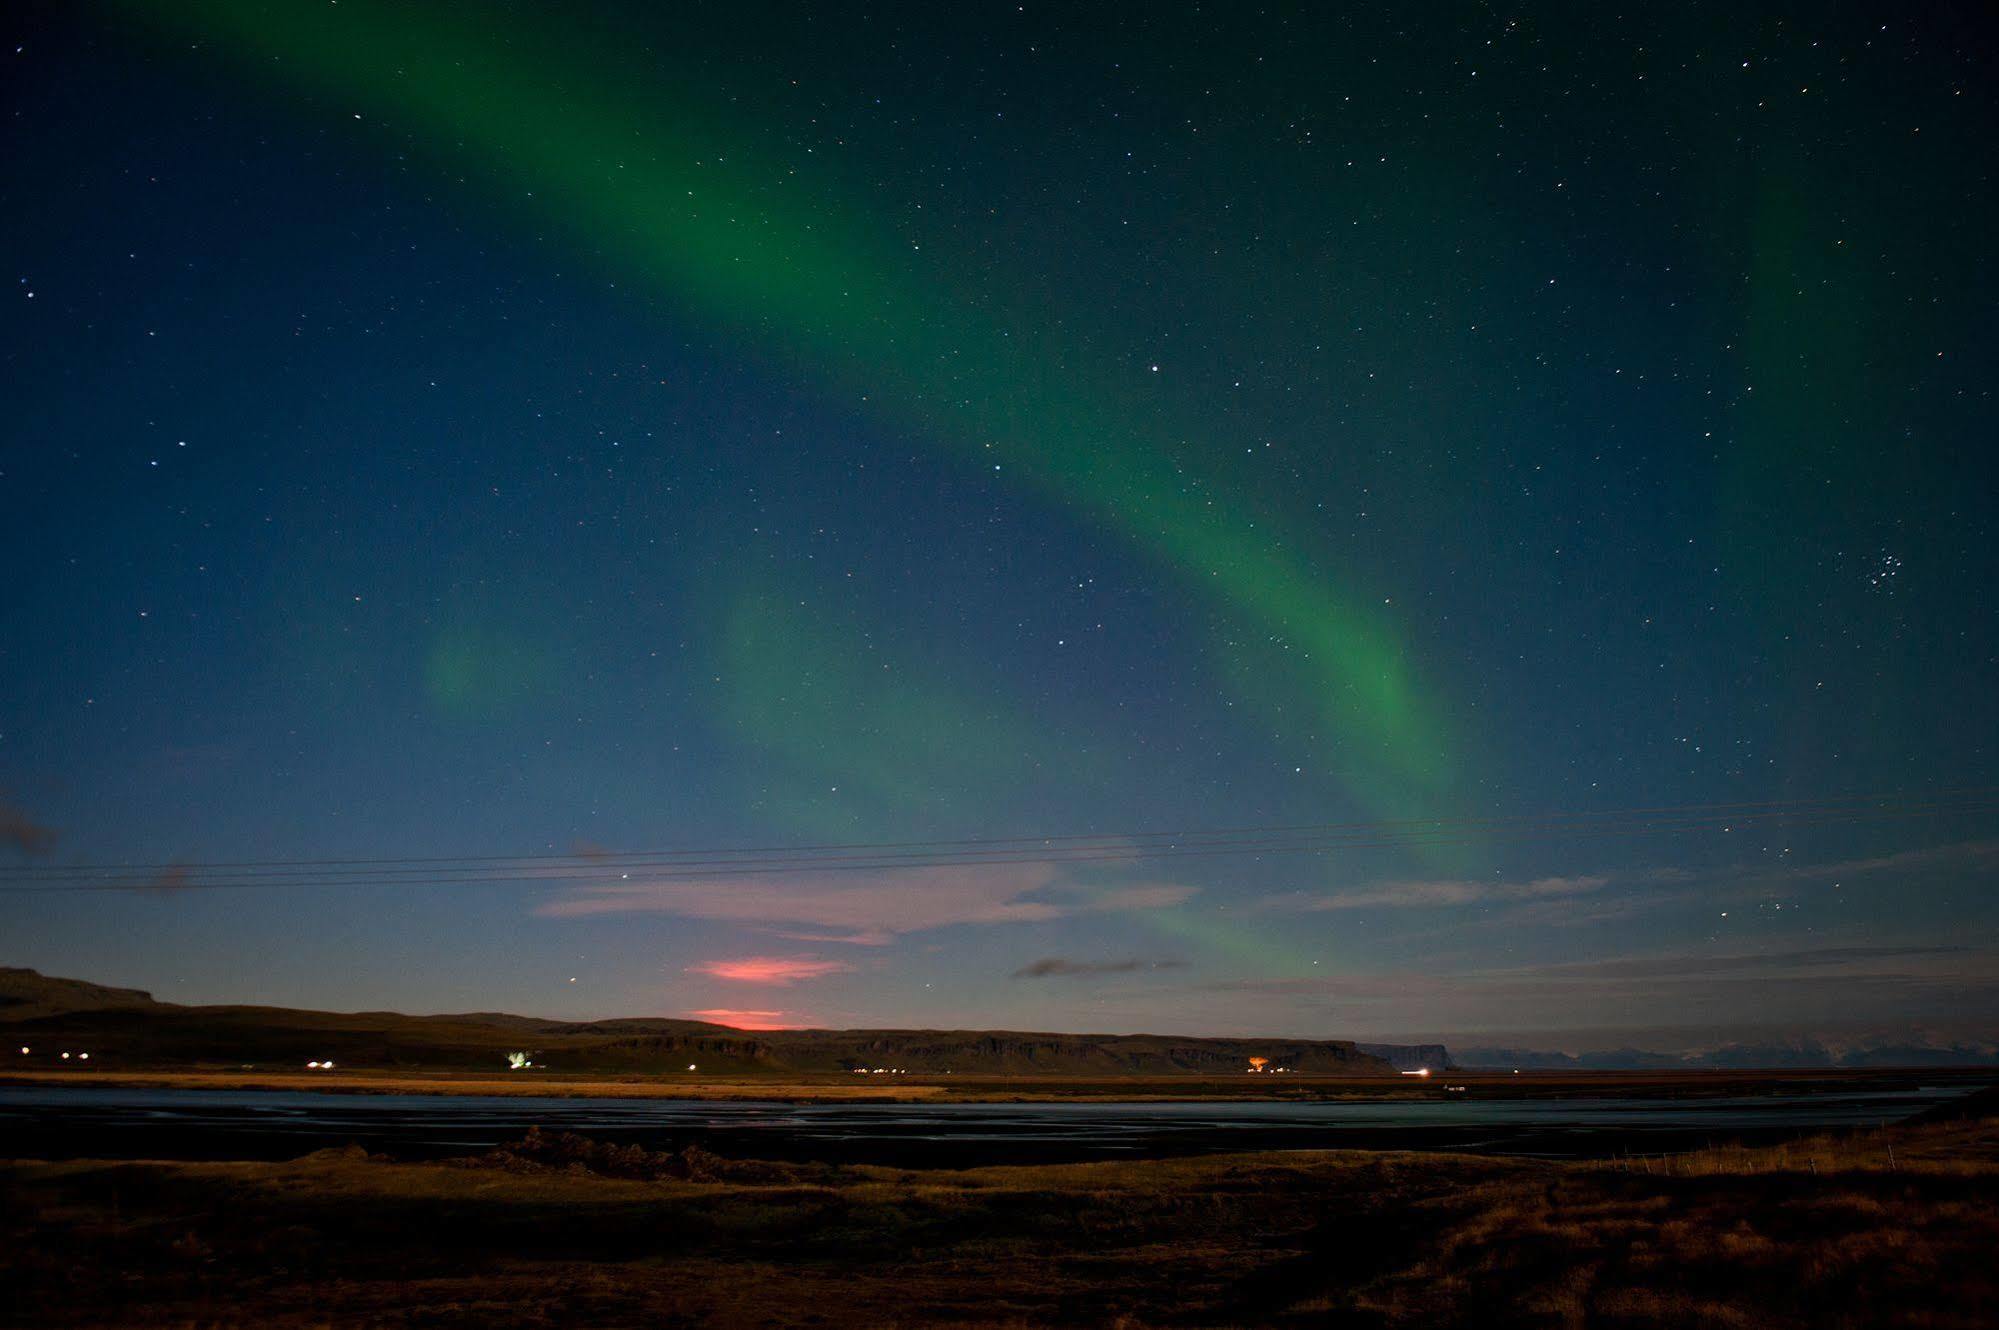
1881 1228
1831 1232
1949 1147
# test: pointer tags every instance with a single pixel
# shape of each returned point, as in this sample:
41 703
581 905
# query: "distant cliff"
25 994
125 1028
1410 1057
1029 1053
1801 1053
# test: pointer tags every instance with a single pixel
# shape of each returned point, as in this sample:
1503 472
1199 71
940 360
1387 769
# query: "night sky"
526 430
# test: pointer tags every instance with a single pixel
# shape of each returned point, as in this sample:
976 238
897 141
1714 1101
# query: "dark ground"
1881 1228
1595 1118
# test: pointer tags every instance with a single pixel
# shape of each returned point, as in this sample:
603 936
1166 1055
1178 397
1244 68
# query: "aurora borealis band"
454 430
746 243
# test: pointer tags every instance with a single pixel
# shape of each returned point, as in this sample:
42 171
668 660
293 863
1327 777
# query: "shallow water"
53 1122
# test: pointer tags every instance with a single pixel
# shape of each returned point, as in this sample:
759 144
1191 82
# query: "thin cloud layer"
837 907
1956 854
1793 984
1430 895
1061 967
20 832
1694 965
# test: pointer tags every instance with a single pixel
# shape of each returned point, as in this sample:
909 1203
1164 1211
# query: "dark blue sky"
450 431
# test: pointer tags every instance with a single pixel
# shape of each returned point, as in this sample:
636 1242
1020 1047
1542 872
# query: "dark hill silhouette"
127 1029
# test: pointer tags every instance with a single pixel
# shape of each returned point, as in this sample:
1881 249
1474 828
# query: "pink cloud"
870 910
23 833
867 937
1144 896
744 1020
771 969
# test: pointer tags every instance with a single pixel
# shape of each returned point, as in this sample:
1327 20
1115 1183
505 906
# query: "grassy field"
1891 1228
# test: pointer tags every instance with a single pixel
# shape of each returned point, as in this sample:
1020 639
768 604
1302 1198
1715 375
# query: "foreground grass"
1881 1229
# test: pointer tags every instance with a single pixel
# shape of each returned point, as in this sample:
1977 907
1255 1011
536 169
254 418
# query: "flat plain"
1889 1227
835 1087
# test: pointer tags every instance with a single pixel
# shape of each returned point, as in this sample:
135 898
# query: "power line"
998 845
1107 850
668 866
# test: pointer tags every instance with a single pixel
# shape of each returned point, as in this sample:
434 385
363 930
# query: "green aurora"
778 255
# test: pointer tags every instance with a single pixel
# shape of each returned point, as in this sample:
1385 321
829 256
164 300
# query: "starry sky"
544 434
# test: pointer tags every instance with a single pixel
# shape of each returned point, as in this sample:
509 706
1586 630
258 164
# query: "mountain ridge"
1802 1053
128 1027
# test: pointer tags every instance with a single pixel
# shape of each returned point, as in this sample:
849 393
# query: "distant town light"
24 1050
690 1066
313 1065
83 1057
65 1057
1420 1071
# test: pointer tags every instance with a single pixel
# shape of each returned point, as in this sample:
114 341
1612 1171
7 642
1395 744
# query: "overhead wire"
612 872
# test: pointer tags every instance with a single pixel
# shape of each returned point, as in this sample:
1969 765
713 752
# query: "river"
59 1122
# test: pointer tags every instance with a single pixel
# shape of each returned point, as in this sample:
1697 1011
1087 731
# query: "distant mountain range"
1805 1053
1410 1057
125 1029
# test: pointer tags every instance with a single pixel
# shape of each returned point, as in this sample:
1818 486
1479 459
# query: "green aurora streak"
749 245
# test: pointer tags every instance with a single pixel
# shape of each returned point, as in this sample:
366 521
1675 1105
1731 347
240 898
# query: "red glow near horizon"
744 1020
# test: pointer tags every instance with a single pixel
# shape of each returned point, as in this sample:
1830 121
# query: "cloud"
744 1020
779 970
1952 855
1798 980
1439 894
866 937
868 911
1574 902
1691 965
23 833
1061 967
1151 896
1349 988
